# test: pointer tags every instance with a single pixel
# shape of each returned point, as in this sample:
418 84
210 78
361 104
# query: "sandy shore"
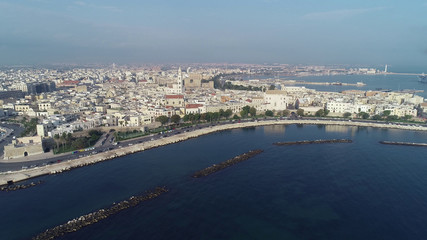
20 175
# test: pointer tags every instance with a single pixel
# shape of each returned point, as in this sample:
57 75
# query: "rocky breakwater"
404 143
94 217
217 167
314 142
13 187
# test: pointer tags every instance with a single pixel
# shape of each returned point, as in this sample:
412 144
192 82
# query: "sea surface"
359 190
373 82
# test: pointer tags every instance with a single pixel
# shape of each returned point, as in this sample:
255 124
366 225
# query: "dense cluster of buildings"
84 98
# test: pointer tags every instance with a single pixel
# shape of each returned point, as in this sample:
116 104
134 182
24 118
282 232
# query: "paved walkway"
27 158
67 165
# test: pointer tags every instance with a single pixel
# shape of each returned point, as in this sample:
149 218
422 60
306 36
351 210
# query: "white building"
277 100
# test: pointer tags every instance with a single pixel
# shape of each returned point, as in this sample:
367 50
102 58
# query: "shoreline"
21 175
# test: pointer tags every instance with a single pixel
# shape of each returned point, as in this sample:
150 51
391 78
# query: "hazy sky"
245 31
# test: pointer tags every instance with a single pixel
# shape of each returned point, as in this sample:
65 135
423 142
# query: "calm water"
361 190
393 82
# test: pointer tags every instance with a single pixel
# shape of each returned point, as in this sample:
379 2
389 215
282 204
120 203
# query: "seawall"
21 175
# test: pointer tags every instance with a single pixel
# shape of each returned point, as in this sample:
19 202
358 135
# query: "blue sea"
359 190
373 82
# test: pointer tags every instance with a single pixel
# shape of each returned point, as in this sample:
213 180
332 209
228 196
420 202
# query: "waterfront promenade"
21 175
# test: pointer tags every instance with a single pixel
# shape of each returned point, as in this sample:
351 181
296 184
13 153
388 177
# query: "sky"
234 31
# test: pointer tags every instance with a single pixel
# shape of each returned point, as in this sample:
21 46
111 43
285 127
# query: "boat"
422 78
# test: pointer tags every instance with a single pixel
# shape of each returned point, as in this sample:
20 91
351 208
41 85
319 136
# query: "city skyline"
332 32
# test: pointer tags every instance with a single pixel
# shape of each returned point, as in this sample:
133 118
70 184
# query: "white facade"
276 100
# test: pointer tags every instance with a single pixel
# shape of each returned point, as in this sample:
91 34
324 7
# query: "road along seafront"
16 176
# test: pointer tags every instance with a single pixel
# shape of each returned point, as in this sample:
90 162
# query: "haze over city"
302 32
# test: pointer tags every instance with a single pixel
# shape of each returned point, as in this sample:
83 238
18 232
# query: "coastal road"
109 144
16 131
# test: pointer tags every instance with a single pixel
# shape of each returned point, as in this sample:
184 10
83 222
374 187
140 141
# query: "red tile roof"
174 96
193 105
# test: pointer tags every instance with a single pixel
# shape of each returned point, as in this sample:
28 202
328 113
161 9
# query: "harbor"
299 82
24 174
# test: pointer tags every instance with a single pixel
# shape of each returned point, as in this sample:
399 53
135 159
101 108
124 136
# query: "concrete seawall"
21 175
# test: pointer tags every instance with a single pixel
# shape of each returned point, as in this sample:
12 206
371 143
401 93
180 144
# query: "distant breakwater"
321 141
404 143
217 167
13 187
21 175
94 217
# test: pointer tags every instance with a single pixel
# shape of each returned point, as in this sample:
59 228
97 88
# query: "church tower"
180 81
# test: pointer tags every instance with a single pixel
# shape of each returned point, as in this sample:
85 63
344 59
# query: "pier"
94 217
230 162
313 142
404 143
298 82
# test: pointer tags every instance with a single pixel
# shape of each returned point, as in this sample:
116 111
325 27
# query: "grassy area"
120 136
67 143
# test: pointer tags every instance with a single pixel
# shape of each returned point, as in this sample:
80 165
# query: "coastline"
21 175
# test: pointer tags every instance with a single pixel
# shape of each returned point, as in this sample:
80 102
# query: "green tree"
186 118
221 113
252 111
80 143
320 113
326 111
269 113
386 113
272 87
216 116
228 113
346 114
376 117
196 117
407 117
57 140
245 111
300 112
175 119
94 133
162 119
286 113
363 115
243 114
235 117
392 118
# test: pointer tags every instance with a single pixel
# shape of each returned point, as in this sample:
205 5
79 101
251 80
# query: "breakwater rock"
14 187
217 167
314 142
94 217
405 143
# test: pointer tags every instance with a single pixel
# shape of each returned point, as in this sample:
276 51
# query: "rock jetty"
405 143
217 167
94 217
13 187
314 142
21 175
